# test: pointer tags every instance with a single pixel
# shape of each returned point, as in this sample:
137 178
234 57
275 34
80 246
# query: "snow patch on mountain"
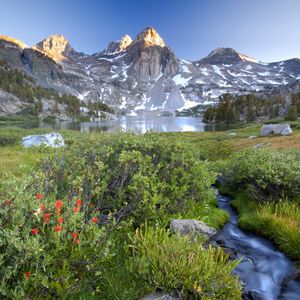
179 80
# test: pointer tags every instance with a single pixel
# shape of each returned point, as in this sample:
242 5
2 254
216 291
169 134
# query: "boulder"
160 296
193 227
53 139
276 129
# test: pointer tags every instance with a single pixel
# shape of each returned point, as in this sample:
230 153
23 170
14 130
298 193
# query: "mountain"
119 46
226 56
143 75
57 47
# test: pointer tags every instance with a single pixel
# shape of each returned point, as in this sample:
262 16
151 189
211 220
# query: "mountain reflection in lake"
138 125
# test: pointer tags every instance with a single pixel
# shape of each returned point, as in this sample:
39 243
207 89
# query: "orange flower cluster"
34 231
58 209
74 236
39 196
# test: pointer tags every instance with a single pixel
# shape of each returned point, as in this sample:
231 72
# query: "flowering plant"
49 246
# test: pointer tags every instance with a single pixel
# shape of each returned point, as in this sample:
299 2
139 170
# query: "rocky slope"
144 75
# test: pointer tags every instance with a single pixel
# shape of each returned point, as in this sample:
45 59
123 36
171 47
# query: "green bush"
6 140
171 262
143 178
266 174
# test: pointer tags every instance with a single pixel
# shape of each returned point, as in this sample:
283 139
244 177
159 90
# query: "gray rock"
160 296
252 137
53 139
276 129
9 104
188 226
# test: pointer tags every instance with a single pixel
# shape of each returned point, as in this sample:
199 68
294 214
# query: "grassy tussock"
279 221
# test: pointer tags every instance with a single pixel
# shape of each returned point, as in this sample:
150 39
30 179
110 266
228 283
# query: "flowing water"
263 267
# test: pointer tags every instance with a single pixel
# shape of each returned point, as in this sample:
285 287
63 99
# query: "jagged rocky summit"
143 75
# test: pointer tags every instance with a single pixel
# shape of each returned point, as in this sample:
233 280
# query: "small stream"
263 267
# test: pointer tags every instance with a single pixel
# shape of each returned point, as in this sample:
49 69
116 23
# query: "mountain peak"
227 56
150 37
55 45
223 51
119 46
125 41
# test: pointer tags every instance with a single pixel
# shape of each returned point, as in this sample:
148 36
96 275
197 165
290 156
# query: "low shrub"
266 174
143 178
172 262
6 140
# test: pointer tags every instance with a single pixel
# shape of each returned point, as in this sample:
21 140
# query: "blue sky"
268 30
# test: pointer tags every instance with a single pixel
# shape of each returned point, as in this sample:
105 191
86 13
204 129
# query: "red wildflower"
39 196
57 228
78 202
60 220
75 210
47 218
42 206
74 235
27 274
95 220
7 202
34 231
77 241
59 204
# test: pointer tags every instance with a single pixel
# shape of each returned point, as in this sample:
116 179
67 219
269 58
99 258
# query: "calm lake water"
138 125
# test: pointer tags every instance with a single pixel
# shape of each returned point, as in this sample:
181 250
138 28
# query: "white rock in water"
53 139
276 129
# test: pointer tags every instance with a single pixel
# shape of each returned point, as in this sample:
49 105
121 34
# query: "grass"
15 120
278 221
16 160
178 264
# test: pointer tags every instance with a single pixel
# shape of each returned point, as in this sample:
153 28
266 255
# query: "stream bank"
263 268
